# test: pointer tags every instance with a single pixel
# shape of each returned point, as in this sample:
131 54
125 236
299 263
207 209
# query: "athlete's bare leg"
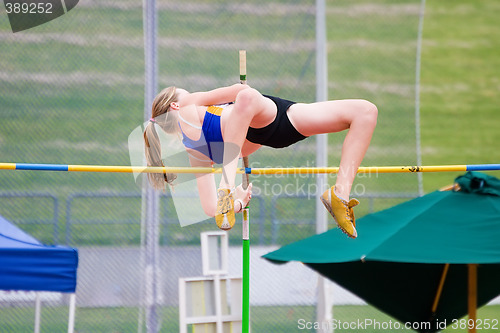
251 109
359 117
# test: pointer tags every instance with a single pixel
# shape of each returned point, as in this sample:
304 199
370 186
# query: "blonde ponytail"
161 105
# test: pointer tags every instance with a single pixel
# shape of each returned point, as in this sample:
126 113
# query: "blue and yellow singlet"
210 142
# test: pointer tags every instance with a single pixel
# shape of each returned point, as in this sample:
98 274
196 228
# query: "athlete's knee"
247 99
369 112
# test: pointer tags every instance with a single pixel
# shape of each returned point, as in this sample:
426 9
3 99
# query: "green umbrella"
411 261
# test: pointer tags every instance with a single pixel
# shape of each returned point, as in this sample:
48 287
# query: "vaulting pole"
246 224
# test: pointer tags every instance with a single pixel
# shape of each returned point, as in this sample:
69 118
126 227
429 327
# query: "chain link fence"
72 90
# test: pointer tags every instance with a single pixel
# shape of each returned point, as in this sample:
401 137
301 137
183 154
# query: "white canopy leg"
72 306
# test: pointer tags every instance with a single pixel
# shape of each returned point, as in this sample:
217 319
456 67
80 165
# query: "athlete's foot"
224 216
341 210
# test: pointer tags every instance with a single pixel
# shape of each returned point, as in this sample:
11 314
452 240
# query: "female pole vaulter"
221 125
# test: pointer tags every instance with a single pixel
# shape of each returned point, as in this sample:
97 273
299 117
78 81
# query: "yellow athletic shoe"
224 216
341 211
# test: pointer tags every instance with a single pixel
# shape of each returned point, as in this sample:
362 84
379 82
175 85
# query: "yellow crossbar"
253 171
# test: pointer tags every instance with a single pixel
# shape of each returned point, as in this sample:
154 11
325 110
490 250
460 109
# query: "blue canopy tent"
26 264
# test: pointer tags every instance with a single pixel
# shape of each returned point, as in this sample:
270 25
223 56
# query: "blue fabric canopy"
27 264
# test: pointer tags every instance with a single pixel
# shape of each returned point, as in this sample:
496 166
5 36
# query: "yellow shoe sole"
224 217
326 202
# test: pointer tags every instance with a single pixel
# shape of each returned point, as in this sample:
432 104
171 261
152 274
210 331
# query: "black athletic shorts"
280 133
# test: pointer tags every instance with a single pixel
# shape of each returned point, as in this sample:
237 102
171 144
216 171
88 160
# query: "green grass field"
80 108
460 84
282 319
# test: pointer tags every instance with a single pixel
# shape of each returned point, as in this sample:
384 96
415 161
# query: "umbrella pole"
440 289
472 297
438 293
